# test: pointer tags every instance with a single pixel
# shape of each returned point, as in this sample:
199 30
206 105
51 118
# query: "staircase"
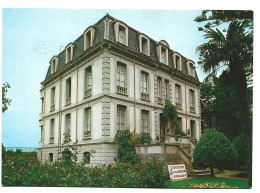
198 171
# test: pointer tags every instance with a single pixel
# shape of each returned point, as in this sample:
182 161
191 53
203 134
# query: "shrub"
126 152
214 150
241 149
23 173
145 138
3 151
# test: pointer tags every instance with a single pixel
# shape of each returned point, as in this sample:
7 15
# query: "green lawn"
202 180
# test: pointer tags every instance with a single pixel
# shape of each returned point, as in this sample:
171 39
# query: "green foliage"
145 138
5 101
241 149
69 153
214 150
22 173
170 113
3 151
126 152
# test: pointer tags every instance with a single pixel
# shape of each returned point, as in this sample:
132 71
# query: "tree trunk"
212 171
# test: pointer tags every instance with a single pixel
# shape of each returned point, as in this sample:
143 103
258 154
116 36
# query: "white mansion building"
112 78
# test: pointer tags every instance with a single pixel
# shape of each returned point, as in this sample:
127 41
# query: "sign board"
177 171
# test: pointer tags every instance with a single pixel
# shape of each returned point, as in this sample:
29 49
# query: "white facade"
104 101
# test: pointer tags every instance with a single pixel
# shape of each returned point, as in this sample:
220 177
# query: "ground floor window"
121 117
193 128
51 157
86 157
145 122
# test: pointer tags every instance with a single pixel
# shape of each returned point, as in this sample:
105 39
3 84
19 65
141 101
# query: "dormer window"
69 52
89 37
191 69
162 53
54 64
144 43
177 61
121 33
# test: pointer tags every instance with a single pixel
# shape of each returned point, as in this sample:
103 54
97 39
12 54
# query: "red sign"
177 171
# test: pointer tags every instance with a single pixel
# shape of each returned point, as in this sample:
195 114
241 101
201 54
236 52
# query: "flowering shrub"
211 185
19 172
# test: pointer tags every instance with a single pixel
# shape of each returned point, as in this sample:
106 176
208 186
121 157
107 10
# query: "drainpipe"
186 106
59 138
134 101
77 108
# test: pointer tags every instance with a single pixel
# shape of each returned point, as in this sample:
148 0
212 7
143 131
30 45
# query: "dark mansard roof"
133 45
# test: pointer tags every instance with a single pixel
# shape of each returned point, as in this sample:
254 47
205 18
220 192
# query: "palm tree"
232 50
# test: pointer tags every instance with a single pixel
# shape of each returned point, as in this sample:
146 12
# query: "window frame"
192 101
145 114
68 90
121 67
178 102
88 81
52 130
175 55
53 98
88 42
68 124
87 122
121 117
141 45
69 52
167 89
120 25
144 85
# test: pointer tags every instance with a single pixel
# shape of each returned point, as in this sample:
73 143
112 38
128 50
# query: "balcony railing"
121 90
68 101
53 107
178 105
87 134
159 100
144 96
192 109
51 139
88 92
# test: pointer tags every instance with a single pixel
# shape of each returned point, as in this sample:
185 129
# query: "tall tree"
233 49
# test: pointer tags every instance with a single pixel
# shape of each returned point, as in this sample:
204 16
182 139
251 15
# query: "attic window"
89 37
191 69
69 52
163 55
54 64
178 62
121 33
144 43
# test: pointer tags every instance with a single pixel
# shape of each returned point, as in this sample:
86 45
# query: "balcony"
87 134
144 96
121 90
53 107
159 100
68 101
88 93
178 105
192 109
51 140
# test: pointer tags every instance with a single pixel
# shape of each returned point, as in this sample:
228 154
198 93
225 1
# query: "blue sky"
32 36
